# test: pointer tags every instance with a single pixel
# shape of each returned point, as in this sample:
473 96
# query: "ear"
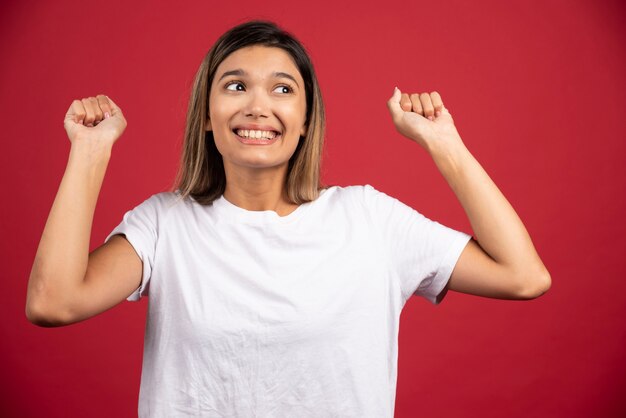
207 125
303 130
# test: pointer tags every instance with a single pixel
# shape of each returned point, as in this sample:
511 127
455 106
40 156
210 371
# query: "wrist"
449 156
90 154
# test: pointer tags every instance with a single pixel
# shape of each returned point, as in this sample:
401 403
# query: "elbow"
44 318
36 317
41 312
535 284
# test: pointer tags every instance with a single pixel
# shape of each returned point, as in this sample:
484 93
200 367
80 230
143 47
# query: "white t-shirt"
255 315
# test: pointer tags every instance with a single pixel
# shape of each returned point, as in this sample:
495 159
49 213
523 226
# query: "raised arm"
67 284
502 261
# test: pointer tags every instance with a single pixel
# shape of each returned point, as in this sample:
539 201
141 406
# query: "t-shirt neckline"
236 213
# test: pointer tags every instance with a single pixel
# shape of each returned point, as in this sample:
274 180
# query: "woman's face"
257 108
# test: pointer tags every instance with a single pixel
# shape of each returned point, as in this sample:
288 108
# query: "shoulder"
355 199
161 201
355 192
159 205
365 196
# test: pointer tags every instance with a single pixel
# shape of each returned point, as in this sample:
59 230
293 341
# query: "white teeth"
245 133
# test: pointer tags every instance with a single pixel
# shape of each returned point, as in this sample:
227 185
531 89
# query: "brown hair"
201 173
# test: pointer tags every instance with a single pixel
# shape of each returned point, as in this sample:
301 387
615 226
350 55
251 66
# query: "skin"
256 174
68 284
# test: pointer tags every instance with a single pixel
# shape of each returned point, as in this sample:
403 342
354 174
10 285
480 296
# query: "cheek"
219 121
295 116
219 127
219 109
221 139
218 143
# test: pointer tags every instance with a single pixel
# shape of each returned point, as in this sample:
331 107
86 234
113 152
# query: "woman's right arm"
67 284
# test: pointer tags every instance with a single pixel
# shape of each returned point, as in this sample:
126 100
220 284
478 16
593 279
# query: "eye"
283 89
235 86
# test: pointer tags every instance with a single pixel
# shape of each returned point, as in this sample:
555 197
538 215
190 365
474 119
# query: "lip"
255 141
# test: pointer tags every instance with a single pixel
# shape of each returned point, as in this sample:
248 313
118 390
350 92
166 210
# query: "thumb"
445 113
394 104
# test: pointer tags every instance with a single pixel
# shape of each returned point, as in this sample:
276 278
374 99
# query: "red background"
537 91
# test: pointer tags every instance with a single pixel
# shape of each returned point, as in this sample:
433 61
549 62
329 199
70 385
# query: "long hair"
201 173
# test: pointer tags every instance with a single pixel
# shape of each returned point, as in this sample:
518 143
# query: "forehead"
260 61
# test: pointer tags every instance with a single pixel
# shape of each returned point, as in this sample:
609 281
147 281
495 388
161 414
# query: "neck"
257 190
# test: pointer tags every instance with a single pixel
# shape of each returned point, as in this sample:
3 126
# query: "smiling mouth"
248 134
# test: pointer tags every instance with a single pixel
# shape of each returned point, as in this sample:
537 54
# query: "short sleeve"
140 227
422 252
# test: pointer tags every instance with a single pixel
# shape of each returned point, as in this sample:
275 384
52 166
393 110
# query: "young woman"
271 295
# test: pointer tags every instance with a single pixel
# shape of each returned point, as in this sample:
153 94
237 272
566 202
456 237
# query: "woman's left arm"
501 262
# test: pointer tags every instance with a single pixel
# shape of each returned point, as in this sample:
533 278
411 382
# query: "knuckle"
102 100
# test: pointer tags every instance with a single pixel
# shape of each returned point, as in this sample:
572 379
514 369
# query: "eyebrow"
277 74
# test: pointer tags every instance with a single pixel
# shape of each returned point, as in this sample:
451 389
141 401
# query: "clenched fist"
96 119
424 119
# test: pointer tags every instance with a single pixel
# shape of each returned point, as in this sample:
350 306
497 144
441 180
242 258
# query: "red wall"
537 91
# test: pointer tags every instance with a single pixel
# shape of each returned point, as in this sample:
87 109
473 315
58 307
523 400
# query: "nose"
257 105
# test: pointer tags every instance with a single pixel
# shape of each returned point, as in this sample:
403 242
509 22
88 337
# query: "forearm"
497 227
62 256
